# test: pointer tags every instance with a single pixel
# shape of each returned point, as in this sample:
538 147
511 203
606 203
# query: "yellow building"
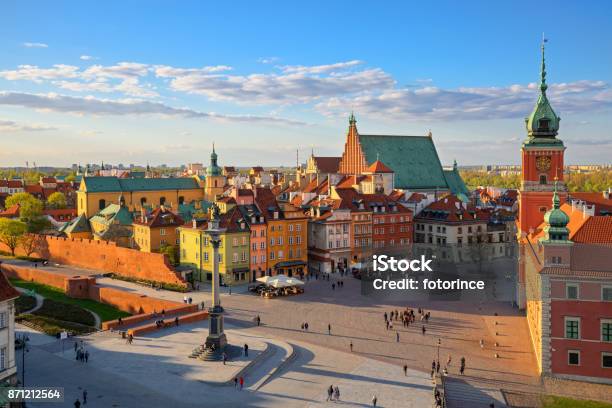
96 193
196 251
155 230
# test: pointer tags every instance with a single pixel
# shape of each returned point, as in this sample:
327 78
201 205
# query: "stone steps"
467 393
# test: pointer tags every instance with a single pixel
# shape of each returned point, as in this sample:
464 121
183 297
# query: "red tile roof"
601 203
160 218
7 292
11 212
452 209
62 214
327 164
378 167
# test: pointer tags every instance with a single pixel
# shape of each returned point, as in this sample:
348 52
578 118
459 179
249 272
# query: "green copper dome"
543 122
213 169
556 221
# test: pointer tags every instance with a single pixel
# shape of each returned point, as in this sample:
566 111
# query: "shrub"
24 303
52 326
65 312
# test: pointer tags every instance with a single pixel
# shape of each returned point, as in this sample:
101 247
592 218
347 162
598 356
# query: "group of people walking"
333 393
80 353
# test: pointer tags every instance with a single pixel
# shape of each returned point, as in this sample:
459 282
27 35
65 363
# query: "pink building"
257 224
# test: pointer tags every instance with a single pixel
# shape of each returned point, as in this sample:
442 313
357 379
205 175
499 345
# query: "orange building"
156 230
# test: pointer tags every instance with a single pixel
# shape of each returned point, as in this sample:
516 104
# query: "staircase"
465 392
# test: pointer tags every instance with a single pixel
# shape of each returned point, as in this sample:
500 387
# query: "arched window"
542 178
543 124
102 204
181 200
215 183
162 200
143 201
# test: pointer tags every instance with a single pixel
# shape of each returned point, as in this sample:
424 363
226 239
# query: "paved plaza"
297 366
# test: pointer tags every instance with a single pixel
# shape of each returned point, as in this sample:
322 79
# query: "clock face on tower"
543 163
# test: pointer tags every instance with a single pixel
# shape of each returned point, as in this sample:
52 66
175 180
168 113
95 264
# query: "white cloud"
87 58
318 69
432 103
11 126
132 87
166 71
121 70
36 74
133 107
35 45
268 60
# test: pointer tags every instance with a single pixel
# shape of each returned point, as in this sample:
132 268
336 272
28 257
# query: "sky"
159 82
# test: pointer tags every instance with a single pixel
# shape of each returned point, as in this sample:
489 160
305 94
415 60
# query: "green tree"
57 200
11 232
170 252
30 243
29 206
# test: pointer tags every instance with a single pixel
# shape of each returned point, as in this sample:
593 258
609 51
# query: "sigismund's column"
216 340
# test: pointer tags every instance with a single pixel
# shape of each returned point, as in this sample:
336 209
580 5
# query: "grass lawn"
550 401
106 312
66 312
24 303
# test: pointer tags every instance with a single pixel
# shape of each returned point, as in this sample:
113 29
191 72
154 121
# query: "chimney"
194 223
606 193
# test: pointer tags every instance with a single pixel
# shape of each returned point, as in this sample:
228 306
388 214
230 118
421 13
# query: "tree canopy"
29 206
56 200
11 233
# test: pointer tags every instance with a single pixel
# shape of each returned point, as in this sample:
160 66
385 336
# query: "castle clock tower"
542 161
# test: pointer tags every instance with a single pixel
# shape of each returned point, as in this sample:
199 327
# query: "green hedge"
65 312
168 286
550 401
24 303
52 326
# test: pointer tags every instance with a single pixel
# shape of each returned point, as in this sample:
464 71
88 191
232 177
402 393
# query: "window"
102 204
271 241
573 357
280 255
280 240
254 246
298 227
606 360
243 257
162 231
3 358
459 230
606 293
606 330
254 259
235 257
235 241
263 258
3 321
262 245
290 227
298 240
290 240
571 291
572 328
272 255
181 200
205 256
542 178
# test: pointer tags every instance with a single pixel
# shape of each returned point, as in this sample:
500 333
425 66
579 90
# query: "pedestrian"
397 337
333 286
330 393
351 346
86 359
438 367
302 326
258 319
77 403
190 300
329 329
203 305
224 358
481 343
235 382
433 365
176 321
374 400
246 350
462 366
185 299
84 397
306 326
75 346
491 405
423 329
390 325
448 360
385 316
405 370
241 382
337 393
387 323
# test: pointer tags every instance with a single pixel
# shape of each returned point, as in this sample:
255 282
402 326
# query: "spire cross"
543 85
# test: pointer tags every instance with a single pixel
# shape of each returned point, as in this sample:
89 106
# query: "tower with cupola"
215 180
542 161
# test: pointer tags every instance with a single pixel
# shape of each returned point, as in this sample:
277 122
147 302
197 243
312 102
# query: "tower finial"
543 85
352 119
213 147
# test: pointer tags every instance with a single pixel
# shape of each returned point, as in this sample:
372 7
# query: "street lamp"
439 343
24 341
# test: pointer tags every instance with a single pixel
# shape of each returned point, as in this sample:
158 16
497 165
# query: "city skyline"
118 89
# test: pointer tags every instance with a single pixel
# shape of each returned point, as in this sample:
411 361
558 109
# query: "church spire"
352 120
542 123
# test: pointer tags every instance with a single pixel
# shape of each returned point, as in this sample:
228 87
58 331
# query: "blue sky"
133 82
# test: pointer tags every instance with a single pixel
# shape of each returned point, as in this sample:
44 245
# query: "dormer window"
543 124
